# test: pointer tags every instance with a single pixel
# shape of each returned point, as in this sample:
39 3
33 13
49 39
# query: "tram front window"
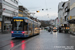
18 25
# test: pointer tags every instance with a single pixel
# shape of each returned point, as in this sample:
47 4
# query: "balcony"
65 14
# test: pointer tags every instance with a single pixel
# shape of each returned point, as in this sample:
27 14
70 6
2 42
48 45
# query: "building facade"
23 12
63 14
52 23
21 9
66 12
8 9
60 13
71 18
57 22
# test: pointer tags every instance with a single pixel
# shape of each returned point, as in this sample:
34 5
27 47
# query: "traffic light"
46 9
42 9
37 11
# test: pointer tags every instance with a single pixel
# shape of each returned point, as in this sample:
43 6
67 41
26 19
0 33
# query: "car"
54 29
49 29
46 28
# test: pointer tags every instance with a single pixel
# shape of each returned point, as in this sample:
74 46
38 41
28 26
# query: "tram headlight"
12 31
23 32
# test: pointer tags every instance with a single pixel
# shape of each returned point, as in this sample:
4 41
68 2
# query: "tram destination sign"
17 20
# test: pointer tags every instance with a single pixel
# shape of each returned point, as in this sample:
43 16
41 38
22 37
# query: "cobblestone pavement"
48 41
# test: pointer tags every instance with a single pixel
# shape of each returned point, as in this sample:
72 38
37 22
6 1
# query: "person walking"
51 30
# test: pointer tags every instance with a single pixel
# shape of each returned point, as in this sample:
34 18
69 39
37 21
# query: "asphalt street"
44 41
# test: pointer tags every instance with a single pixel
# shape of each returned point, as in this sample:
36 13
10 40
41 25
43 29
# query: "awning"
71 21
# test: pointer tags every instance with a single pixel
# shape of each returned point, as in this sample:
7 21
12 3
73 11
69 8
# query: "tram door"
26 28
30 26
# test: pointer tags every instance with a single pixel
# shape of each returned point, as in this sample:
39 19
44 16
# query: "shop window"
72 28
25 26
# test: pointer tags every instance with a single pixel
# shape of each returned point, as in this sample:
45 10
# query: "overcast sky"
34 5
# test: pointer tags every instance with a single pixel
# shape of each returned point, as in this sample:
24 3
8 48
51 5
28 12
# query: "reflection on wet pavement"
23 46
12 44
9 44
44 41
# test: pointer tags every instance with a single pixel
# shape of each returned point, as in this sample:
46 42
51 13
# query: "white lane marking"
21 43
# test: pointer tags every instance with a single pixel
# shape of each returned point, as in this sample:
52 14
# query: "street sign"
70 17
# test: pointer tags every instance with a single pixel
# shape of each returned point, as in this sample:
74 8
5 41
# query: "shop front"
72 26
71 21
64 28
7 26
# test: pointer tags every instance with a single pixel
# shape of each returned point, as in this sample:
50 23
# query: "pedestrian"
59 29
51 30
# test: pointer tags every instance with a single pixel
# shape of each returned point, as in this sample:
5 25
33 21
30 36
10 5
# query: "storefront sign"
70 17
17 20
73 17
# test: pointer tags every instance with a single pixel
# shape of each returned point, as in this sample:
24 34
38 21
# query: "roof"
22 18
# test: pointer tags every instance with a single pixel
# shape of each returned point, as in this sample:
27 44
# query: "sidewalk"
5 32
5 36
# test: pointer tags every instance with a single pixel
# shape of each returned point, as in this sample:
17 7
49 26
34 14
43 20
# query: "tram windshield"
18 25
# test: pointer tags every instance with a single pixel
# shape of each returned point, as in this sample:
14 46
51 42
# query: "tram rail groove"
10 43
21 43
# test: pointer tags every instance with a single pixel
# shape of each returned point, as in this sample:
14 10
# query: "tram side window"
36 25
25 26
29 26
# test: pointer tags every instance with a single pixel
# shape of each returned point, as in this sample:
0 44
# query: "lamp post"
2 24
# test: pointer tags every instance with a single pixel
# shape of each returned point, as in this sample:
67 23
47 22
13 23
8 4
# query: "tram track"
11 43
23 43
16 41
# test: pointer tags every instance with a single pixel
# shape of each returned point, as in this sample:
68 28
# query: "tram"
24 27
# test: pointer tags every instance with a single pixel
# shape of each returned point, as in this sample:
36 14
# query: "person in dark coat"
59 29
51 30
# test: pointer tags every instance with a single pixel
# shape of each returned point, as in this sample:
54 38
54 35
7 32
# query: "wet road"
44 41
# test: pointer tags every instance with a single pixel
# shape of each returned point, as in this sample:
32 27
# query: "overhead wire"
46 8
22 4
45 4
